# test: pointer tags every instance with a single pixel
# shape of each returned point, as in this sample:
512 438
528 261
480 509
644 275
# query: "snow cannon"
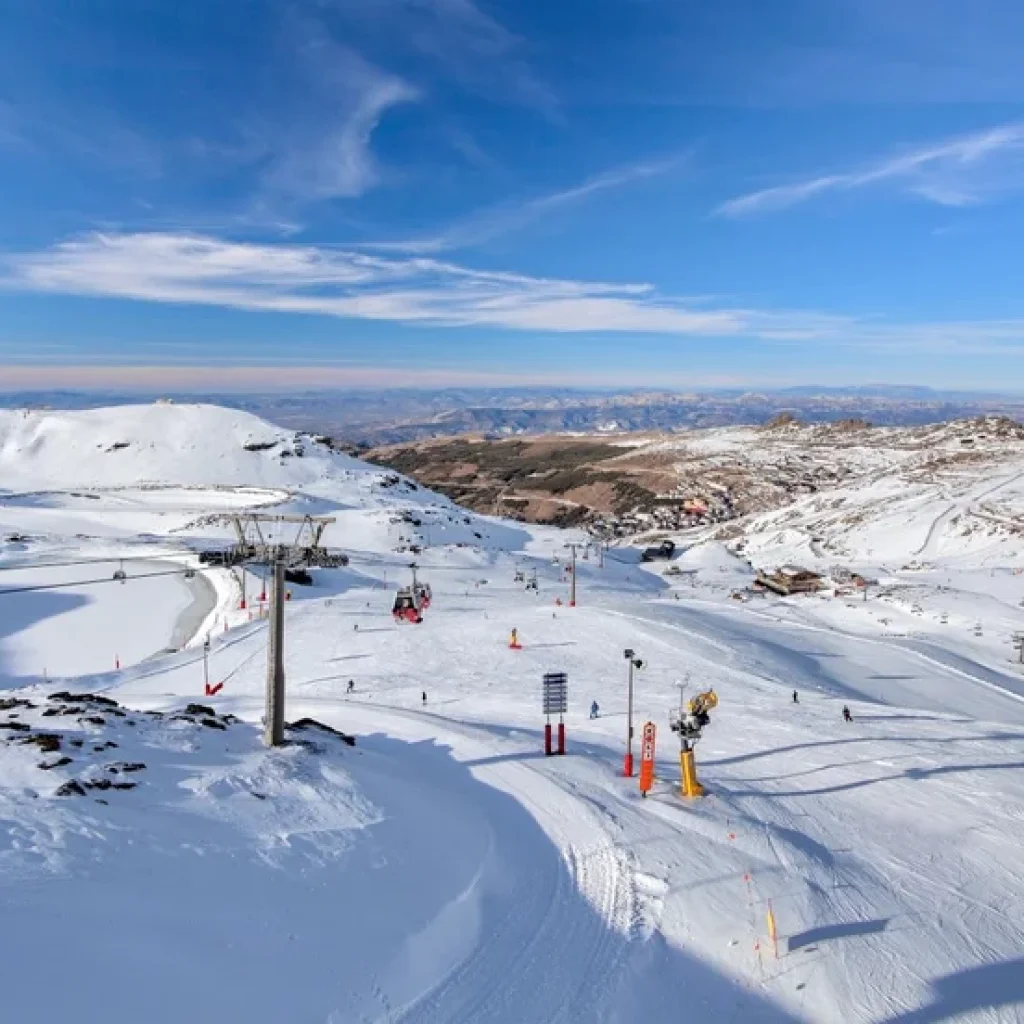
513 641
689 723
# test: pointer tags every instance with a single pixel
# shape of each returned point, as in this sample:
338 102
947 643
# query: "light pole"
634 663
273 731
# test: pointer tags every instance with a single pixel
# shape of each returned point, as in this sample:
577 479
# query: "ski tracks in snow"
559 910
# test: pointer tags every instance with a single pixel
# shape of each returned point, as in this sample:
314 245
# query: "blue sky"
594 192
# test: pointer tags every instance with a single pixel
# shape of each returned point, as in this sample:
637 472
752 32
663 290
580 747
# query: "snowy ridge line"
1004 691
935 660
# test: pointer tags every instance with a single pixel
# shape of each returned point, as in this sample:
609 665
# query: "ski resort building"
790 579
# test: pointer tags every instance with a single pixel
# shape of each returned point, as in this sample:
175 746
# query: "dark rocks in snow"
100 747
59 763
47 742
311 723
126 766
72 788
15 726
84 698
10 703
75 743
93 720
212 723
199 709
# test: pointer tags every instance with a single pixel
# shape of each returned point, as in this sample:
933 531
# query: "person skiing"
351 686
595 711
424 696
796 697
847 717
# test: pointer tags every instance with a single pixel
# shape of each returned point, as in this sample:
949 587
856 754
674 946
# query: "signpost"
555 702
647 758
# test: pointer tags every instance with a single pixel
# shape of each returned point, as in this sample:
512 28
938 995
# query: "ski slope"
444 870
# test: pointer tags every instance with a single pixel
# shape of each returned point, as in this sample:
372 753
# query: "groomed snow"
444 870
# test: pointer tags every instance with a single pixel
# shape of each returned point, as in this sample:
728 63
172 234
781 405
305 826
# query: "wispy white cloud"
332 157
461 40
325 281
954 172
334 282
503 220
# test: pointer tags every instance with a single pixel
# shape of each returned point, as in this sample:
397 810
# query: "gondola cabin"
407 606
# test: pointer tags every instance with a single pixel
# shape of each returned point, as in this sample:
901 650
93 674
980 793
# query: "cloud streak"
323 281
954 172
461 41
504 220
330 156
195 269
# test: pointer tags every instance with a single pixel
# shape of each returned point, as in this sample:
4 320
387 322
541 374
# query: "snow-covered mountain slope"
863 496
183 445
443 870
141 489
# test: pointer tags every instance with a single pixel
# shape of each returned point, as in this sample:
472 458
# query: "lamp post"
634 663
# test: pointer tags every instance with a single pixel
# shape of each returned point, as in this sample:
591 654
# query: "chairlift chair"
119 573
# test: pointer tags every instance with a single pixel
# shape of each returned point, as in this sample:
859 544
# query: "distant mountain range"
372 418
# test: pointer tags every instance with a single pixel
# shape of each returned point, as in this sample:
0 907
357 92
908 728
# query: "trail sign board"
556 693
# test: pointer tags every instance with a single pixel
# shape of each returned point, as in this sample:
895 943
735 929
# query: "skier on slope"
847 717
796 697
595 711
424 696
351 686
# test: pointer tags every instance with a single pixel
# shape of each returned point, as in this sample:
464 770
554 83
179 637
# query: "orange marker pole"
647 758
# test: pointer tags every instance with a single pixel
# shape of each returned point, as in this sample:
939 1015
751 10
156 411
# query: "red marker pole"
547 738
647 759
561 736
